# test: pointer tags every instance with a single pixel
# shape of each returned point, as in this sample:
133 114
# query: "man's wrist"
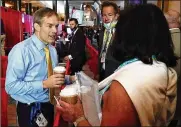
44 84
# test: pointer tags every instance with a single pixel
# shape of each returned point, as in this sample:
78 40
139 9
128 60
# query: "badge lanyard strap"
107 39
122 65
126 63
34 110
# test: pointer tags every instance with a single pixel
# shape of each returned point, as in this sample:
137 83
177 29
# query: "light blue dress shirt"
27 69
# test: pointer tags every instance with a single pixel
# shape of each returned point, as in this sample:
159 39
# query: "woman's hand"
71 112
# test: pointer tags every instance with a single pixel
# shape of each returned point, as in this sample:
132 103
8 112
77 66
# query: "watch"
77 121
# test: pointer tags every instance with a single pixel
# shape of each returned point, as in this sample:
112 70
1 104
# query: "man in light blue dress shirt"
27 78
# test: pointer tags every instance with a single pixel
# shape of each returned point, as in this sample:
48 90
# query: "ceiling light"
8 5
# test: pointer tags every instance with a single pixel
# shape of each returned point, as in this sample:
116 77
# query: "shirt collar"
39 44
76 30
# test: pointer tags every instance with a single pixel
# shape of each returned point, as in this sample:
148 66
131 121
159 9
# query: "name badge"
103 56
40 120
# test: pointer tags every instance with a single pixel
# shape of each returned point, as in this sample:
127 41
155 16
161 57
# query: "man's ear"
117 16
37 27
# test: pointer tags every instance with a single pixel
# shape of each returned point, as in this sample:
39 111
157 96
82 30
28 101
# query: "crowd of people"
144 90
135 43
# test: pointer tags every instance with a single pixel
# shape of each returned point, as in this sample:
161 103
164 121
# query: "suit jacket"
111 64
77 51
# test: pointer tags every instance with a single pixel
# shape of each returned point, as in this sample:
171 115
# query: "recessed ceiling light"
8 5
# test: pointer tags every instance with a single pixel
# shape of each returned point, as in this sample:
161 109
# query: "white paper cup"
69 95
59 69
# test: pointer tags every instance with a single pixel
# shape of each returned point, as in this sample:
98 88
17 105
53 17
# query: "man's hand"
54 81
66 58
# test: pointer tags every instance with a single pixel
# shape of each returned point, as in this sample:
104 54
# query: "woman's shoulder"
140 71
118 108
150 84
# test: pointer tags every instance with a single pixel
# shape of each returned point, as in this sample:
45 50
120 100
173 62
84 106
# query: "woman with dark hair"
142 91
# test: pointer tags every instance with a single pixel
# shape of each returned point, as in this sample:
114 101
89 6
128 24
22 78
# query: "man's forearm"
24 87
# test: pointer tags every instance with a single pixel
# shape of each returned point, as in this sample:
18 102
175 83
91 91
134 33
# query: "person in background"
61 27
61 45
142 91
29 72
173 19
89 14
107 64
76 49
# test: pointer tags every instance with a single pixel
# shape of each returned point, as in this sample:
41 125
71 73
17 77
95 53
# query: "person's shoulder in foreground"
146 36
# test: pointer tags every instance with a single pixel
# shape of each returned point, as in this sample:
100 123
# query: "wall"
174 5
170 4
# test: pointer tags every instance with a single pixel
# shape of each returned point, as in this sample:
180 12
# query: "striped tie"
50 72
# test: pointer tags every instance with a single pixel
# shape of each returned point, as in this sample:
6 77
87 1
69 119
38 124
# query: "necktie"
108 38
50 72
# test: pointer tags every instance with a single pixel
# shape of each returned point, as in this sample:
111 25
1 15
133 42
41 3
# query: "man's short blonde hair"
41 13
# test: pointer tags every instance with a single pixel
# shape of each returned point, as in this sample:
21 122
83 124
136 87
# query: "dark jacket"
2 27
77 50
111 64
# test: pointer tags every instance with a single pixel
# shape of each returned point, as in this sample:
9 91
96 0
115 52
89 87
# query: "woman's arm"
118 109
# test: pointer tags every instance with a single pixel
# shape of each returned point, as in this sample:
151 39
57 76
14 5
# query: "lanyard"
106 40
35 107
122 65
126 63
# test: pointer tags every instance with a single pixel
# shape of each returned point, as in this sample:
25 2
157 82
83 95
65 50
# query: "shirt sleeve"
67 80
18 63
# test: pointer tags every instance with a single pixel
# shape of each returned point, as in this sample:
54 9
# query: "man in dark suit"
76 49
107 64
